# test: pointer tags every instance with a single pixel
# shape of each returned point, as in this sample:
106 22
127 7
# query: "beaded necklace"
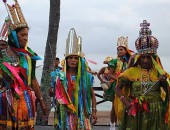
145 79
9 56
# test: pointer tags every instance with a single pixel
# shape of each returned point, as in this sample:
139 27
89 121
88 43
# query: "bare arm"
100 73
131 61
92 72
36 88
118 90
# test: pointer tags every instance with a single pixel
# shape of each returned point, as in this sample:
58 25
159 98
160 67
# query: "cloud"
99 22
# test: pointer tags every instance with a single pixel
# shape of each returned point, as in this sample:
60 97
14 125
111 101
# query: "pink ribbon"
15 72
60 93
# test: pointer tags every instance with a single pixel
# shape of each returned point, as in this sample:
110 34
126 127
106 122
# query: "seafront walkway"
103 119
51 128
103 114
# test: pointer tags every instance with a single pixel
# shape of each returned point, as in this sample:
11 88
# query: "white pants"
104 86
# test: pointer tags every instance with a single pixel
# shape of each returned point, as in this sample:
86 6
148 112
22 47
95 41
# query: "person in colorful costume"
74 98
119 64
143 89
19 85
106 75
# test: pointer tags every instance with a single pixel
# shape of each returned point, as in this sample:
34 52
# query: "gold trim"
20 123
73 44
122 41
16 16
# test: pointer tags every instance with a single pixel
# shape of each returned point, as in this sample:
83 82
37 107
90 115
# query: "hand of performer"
129 109
94 73
162 78
111 76
94 117
127 105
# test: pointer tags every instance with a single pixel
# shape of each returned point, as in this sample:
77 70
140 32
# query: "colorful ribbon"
138 104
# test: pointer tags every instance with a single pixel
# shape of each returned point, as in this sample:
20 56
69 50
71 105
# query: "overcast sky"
100 23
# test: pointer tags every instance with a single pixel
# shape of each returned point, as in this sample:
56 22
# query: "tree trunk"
49 58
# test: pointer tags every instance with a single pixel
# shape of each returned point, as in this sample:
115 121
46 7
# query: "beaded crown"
146 43
122 41
4 30
16 16
73 44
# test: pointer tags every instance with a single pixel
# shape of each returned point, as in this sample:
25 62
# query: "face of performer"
121 51
145 61
3 44
22 37
72 61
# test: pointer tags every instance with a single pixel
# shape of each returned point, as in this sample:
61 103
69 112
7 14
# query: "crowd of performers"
137 85
135 82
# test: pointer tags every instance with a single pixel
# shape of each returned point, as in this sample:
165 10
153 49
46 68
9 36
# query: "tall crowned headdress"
4 30
146 43
16 16
73 44
122 41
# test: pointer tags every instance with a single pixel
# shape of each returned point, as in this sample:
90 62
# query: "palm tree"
49 58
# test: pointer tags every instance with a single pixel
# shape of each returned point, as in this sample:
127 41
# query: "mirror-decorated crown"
146 43
16 16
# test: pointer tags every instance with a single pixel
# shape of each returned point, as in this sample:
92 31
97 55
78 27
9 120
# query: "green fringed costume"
144 88
154 116
119 67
